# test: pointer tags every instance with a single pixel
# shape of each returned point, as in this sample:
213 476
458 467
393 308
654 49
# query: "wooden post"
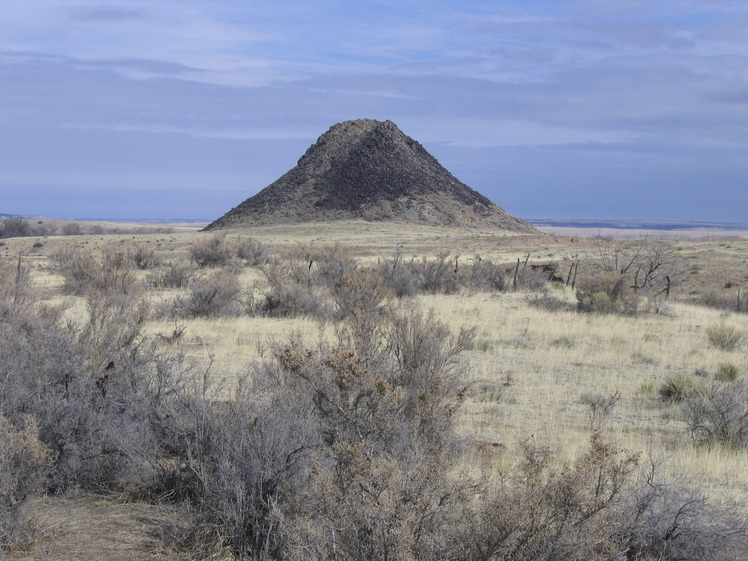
516 270
17 294
568 277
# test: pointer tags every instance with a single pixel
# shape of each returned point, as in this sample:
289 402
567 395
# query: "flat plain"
532 371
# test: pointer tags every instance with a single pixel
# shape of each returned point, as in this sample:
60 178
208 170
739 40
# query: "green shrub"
677 388
444 274
600 507
727 372
647 388
725 337
17 227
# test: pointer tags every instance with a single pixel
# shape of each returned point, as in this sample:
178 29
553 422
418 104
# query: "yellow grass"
528 368
531 367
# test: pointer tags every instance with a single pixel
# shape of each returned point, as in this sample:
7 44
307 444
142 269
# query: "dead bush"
245 460
399 276
211 252
94 388
24 465
143 258
483 275
545 300
600 507
290 294
72 229
213 296
15 227
650 264
626 272
15 283
725 299
718 413
439 275
359 291
172 274
605 293
252 252
378 485
84 273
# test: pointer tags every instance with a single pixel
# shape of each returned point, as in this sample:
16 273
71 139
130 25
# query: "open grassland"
531 368
535 376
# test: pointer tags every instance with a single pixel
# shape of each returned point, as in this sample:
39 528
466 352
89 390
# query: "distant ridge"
369 170
637 224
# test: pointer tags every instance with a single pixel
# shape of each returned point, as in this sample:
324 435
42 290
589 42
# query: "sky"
182 109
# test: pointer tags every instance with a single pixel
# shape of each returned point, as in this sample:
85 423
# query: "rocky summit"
369 170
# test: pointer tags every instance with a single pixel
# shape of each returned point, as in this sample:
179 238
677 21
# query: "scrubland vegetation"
406 395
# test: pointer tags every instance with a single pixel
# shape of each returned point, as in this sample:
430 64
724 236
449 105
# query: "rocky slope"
369 170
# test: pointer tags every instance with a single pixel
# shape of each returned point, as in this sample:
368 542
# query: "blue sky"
630 109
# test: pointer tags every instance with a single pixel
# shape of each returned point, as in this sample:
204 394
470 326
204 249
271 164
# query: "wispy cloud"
148 86
252 133
104 14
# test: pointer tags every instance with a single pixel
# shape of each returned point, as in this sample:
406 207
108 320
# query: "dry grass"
91 528
529 367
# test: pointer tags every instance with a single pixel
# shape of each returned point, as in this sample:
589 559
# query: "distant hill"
637 224
370 170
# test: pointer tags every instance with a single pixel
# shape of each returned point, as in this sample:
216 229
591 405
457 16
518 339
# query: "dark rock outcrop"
369 170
